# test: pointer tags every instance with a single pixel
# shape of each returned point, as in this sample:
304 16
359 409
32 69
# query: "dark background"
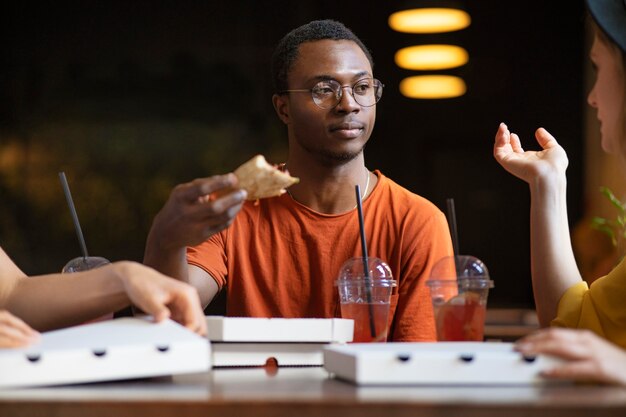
130 98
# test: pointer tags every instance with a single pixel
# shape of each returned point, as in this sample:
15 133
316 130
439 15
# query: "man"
280 256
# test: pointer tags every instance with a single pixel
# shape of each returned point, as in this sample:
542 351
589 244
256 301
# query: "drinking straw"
453 231
70 203
366 269
452 218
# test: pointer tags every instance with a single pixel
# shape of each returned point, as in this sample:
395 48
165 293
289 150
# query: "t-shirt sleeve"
599 308
427 241
210 256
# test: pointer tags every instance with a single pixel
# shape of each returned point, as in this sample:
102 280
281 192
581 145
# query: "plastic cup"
84 264
81 264
366 299
459 287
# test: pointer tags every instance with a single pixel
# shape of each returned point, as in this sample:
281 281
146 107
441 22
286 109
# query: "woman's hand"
529 165
161 296
14 332
587 356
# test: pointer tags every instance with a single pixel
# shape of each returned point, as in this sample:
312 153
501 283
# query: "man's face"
333 135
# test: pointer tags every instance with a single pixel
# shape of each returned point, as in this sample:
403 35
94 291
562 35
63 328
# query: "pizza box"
261 354
279 330
443 363
118 349
252 341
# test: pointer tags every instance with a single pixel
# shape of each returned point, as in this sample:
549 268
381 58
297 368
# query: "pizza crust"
262 180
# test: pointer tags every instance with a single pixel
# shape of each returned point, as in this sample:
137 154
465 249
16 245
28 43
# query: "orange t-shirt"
280 258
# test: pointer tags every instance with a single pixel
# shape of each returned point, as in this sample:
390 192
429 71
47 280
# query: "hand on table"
588 357
14 332
529 165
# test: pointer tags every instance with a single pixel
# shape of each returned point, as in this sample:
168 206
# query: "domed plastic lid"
353 271
468 271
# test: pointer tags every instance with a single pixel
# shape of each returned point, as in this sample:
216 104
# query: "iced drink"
365 298
459 287
361 314
461 318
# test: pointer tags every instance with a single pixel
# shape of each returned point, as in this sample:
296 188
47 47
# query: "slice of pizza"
262 180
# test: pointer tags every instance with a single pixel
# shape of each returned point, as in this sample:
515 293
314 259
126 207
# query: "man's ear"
281 105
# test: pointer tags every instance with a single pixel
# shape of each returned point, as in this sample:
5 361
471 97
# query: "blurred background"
131 98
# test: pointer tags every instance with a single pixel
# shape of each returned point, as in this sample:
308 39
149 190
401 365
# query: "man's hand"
14 332
195 211
161 296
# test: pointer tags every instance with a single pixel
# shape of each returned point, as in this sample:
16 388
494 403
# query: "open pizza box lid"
443 363
111 350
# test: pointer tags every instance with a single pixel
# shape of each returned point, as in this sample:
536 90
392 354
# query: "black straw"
366 269
452 219
70 203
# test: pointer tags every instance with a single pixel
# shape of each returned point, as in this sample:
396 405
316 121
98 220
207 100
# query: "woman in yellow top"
561 296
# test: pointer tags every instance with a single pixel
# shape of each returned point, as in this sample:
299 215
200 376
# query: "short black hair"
286 51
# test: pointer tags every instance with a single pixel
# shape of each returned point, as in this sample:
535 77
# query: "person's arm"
587 356
189 217
57 300
553 265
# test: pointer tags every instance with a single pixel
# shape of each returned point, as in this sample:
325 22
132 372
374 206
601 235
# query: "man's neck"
329 189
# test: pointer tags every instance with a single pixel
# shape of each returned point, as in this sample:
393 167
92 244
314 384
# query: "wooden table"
304 392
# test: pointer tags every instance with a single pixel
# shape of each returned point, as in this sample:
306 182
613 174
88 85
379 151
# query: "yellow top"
600 308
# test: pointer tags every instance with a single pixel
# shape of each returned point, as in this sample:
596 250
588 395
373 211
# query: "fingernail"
522 346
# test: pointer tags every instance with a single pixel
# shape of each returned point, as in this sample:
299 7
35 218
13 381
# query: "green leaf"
614 200
597 221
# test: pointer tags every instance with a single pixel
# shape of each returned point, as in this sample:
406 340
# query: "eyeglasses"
328 93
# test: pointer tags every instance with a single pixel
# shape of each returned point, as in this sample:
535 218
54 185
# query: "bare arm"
194 212
205 283
553 265
51 301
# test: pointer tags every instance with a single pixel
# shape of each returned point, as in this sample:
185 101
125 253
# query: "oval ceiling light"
432 86
431 57
429 20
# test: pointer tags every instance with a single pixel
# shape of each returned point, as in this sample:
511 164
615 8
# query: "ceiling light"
431 57
429 20
432 86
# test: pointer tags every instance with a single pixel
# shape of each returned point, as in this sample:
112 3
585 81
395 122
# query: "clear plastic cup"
84 264
459 287
366 299
81 264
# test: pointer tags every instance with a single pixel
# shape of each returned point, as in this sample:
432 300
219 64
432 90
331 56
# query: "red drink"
360 313
461 318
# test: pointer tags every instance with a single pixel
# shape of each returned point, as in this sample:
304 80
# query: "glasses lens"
367 92
326 94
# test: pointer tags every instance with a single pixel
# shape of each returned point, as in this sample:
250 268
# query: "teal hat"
610 15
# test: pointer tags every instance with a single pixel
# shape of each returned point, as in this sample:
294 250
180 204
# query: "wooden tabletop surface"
303 392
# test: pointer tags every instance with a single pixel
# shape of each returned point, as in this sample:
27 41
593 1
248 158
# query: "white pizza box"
111 350
279 330
231 354
449 363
